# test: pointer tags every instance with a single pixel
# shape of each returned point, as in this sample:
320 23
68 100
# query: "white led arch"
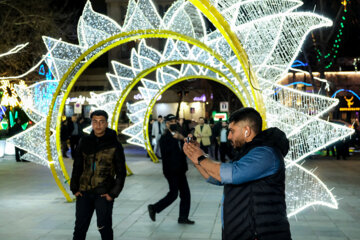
271 35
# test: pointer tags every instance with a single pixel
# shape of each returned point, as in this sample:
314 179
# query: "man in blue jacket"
254 182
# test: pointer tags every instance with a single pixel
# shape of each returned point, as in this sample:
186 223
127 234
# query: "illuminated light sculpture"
250 52
9 96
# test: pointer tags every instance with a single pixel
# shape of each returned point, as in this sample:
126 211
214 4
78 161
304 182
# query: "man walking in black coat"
174 169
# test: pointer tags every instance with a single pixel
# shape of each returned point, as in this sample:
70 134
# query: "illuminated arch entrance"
269 39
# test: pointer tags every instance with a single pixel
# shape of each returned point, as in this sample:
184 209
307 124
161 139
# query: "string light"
332 54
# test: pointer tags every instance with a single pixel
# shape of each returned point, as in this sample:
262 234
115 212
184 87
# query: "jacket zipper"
92 169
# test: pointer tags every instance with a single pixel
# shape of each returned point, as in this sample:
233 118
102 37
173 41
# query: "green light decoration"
24 126
11 119
331 56
4 124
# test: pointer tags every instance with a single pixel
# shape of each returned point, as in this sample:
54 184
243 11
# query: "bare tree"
27 21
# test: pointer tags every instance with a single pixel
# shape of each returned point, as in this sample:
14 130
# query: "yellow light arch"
114 41
153 102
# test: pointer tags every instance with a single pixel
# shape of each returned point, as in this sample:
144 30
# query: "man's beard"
237 144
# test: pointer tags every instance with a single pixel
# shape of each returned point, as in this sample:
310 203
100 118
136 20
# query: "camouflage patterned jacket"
99 165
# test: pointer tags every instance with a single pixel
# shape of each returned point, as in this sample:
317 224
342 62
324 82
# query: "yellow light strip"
153 102
222 25
124 38
125 92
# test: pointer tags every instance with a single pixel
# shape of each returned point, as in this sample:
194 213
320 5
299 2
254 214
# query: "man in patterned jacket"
98 177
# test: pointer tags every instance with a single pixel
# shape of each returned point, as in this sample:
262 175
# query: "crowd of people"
71 132
212 136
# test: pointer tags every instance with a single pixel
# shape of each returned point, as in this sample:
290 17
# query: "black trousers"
216 151
224 150
85 207
74 141
204 148
177 183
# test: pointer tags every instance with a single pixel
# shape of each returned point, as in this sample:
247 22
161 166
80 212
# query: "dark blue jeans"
85 207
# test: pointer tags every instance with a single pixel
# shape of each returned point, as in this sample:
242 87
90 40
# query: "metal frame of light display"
251 50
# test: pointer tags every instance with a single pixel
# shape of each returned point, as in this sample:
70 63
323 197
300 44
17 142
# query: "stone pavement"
32 207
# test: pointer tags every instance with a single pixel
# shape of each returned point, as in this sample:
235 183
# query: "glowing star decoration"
9 95
251 50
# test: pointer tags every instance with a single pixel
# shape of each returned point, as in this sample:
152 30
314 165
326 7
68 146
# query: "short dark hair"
247 114
99 113
159 116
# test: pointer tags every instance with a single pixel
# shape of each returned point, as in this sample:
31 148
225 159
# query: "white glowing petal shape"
151 94
304 189
61 67
100 22
114 81
189 70
87 129
137 116
277 39
36 96
145 94
168 78
56 110
150 11
240 12
123 70
41 161
171 71
172 10
138 106
148 52
150 84
63 50
81 33
138 21
105 98
135 62
136 142
92 36
159 77
168 49
146 63
197 20
181 23
276 113
133 129
314 137
130 11
31 140
292 48
307 103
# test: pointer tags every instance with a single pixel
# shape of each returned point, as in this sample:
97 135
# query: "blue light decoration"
2 112
345 90
298 63
42 70
42 94
290 84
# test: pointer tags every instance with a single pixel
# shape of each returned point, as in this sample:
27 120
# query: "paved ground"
31 206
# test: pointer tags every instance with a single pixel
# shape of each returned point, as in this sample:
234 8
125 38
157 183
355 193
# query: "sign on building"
224 106
77 108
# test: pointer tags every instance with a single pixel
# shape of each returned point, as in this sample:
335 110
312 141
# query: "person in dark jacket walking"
174 169
98 177
254 182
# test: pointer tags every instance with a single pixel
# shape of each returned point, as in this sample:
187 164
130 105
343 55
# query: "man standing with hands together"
253 204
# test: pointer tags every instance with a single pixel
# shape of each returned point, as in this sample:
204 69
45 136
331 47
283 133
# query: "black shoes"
185 221
152 213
